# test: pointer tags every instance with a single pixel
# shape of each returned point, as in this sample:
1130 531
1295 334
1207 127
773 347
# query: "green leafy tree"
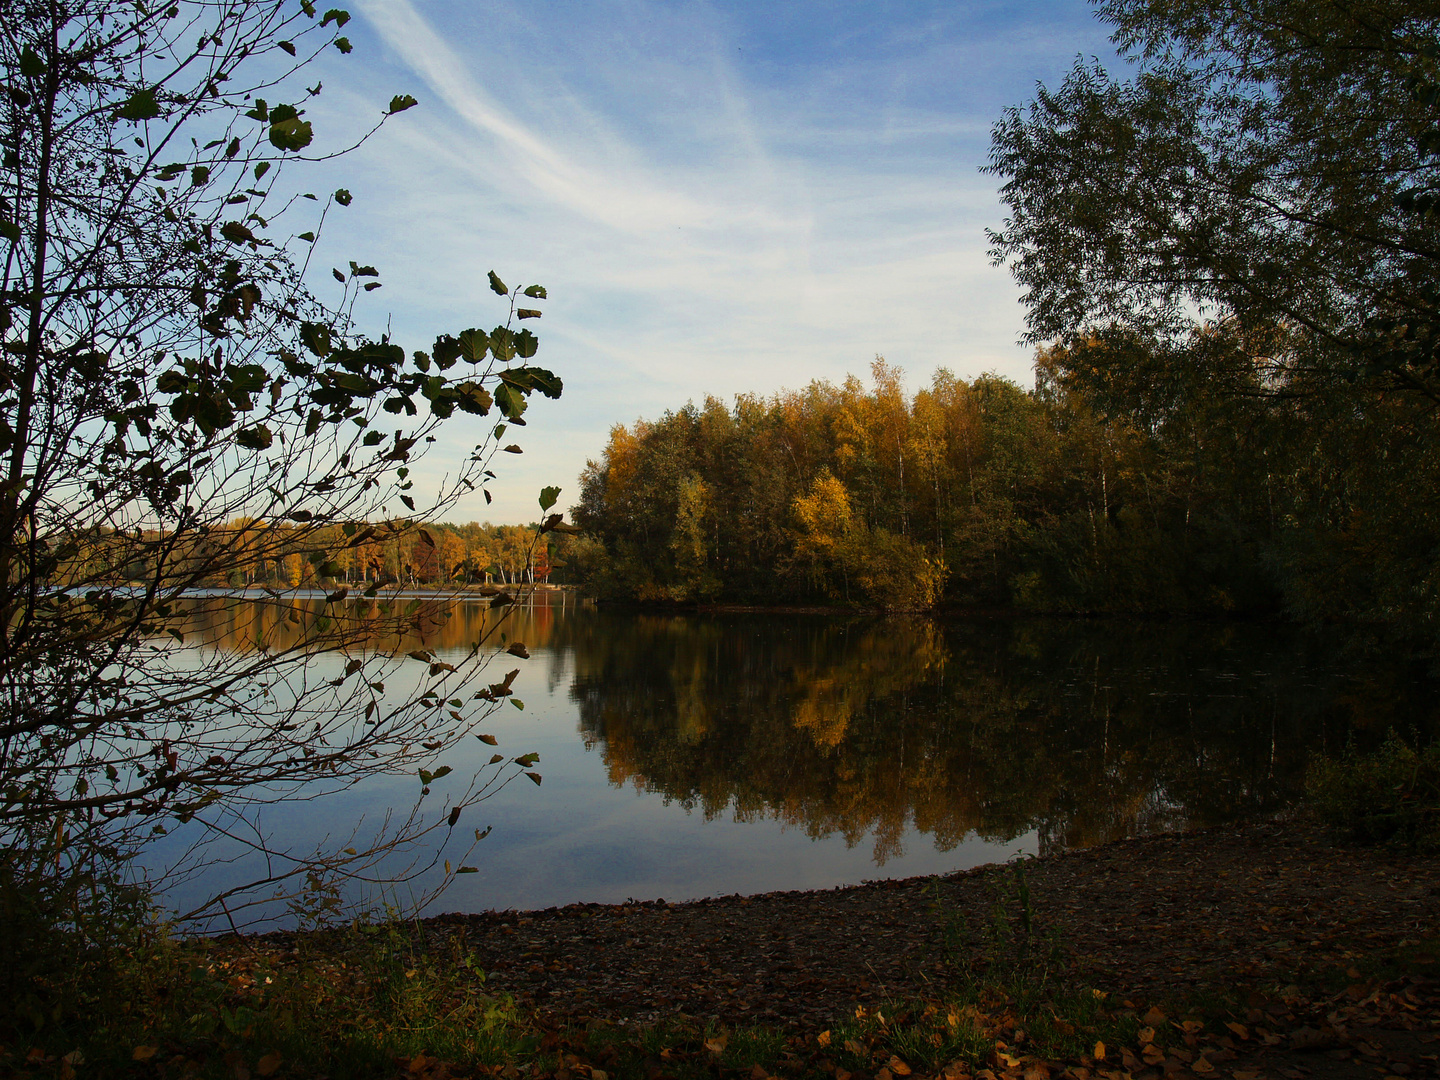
1269 165
166 372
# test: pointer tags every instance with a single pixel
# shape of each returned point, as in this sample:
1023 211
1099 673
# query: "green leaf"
401 102
9 230
288 46
308 237
199 175
261 168
141 105
468 870
337 16
526 343
343 44
426 776
548 496
236 233
473 346
258 437
316 338
536 292
342 196
527 313
502 344
291 133
497 286
31 66
547 382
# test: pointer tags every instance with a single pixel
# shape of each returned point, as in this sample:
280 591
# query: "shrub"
1390 795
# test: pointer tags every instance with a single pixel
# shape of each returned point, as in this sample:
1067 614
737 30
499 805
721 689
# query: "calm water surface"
696 755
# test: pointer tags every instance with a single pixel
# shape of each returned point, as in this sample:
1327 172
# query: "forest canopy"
984 493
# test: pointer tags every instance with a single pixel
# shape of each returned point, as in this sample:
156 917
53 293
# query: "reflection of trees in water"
239 624
1081 731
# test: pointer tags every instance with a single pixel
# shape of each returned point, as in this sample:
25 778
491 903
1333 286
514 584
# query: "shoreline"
1228 902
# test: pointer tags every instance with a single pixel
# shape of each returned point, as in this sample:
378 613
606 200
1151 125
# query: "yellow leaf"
898 1067
1146 1035
268 1064
1154 1018
1008 1060
823 1038
144 1053
1202 1066
1238 1029
717 1044
1192 1026
1099 1051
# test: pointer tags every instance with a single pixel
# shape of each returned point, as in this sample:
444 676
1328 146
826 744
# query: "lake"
689 755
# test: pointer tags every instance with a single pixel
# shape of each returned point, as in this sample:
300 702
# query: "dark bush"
1390 795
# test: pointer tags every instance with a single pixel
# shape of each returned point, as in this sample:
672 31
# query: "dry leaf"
898 1067
1190 1027
717 1044
268 1064
1146 1035
1238 1029
823 1038
144 1053
1099 1051
1203 1066
757 1072
1153 1018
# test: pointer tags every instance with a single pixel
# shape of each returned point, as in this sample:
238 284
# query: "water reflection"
1082 732
691 755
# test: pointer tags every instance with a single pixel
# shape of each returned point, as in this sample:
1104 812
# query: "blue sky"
719 197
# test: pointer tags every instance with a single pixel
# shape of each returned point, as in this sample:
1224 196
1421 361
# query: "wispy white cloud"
707 220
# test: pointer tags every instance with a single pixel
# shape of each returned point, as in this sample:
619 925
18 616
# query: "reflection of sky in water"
913 738
578 838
